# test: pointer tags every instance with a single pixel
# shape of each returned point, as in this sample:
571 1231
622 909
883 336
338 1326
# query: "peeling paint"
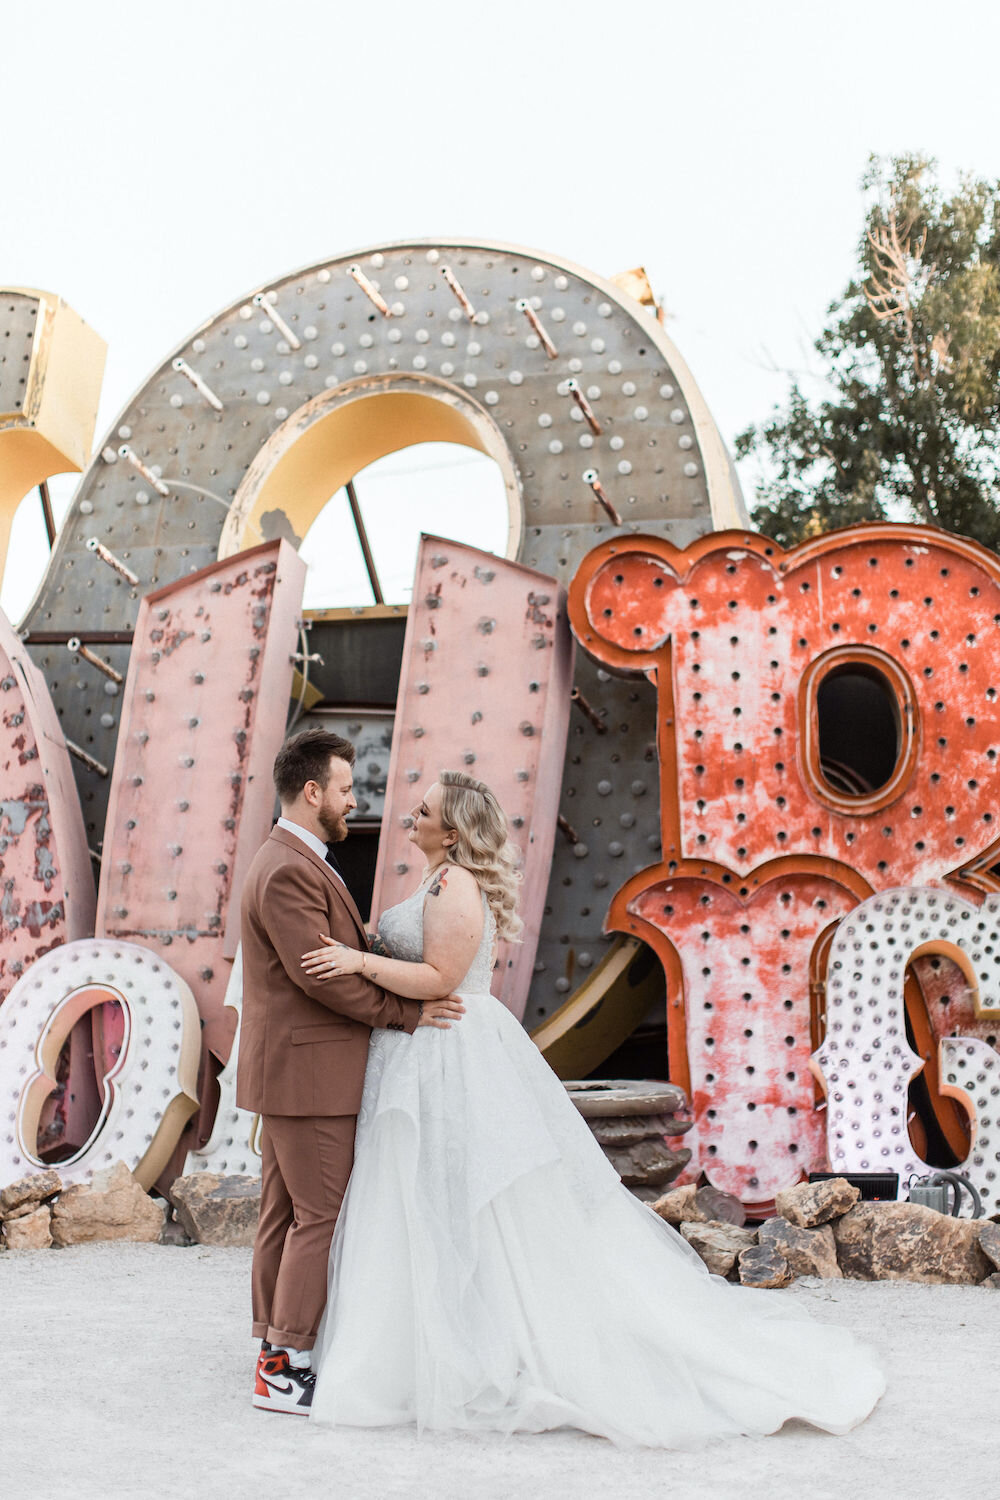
46 885
193 797
739 642
498 712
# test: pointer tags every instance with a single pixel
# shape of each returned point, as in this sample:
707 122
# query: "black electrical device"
874 1187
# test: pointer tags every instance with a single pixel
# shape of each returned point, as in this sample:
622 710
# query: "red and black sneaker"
279 1386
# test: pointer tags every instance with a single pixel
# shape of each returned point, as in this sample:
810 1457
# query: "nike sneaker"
280 1387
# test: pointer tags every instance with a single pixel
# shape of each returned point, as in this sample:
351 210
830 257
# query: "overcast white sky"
162 158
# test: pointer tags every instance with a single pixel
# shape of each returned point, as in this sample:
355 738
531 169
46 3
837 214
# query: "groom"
302 1055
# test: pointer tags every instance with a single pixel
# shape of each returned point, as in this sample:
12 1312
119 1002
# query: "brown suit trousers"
303 1050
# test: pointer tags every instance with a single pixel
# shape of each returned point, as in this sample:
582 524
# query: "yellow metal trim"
603 1012
54 432
312 694
358 612
340 432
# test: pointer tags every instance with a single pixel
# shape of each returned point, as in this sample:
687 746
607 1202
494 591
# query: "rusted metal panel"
203 717
739 1013
46 882
89 1056
485 688
745 636
738 638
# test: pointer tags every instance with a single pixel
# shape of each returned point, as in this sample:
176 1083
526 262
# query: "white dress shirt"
311 842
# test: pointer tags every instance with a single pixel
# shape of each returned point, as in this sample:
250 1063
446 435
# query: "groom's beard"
334 827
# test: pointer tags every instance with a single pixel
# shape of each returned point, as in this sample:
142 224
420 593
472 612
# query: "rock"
993 1282
624 1096
989 1239
706 1205
723 1208
174 1233
112 1206
29 1231
809 1252
649 1162
764 1266
679 1207
648 1195
216 1210
810 1203
24 1195
718 1244
626 1130
908 1242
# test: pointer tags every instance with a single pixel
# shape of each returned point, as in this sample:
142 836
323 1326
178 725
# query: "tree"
909 424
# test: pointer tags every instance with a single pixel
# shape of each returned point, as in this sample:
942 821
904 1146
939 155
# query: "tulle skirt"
490 1272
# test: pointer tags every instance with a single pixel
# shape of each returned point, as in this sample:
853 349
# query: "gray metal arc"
725 501
659 457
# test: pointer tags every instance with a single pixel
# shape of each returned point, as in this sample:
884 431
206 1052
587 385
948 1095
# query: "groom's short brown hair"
307 757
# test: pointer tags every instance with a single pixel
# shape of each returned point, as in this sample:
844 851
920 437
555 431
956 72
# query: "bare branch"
889 289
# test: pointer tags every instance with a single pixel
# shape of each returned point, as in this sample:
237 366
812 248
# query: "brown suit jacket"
304 1041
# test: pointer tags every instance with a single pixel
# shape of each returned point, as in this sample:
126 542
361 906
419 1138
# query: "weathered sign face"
779 818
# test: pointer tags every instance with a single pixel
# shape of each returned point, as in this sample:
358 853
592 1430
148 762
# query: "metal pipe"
567 830
371 292
588 710
133 458
75 645
459 290
590 477
91 637
573 386
88 760
47 516
529 312
366 550
94 544
183 368
270 311
303 658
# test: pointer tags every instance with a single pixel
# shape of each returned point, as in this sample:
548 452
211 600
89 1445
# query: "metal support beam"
47 516
359 527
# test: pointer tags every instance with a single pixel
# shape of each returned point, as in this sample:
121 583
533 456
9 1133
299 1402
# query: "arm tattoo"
439 882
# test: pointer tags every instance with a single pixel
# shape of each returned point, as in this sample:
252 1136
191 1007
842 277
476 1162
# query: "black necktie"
333 862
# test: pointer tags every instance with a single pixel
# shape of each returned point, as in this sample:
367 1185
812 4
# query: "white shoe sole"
267 1403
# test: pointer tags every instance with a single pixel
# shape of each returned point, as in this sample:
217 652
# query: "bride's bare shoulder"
454 882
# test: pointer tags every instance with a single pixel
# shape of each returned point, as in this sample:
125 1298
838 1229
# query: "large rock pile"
822 1229
38 1211
26 1212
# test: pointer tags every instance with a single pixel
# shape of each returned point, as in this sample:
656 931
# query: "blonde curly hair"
470 810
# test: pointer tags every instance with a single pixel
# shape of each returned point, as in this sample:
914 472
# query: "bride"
488 1270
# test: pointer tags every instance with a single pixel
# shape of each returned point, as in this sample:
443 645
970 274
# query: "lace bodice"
401 929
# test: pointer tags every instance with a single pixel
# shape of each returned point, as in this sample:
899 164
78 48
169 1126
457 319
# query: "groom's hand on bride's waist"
441 1013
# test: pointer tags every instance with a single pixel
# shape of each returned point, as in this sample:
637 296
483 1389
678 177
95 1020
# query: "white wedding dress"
490 1272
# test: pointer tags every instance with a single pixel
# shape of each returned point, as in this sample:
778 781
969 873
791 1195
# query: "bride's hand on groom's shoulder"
333 959
441 1013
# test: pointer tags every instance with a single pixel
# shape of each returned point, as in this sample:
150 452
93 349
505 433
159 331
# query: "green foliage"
908 426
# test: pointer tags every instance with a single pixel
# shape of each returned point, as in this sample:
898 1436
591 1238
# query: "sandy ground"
128 1373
